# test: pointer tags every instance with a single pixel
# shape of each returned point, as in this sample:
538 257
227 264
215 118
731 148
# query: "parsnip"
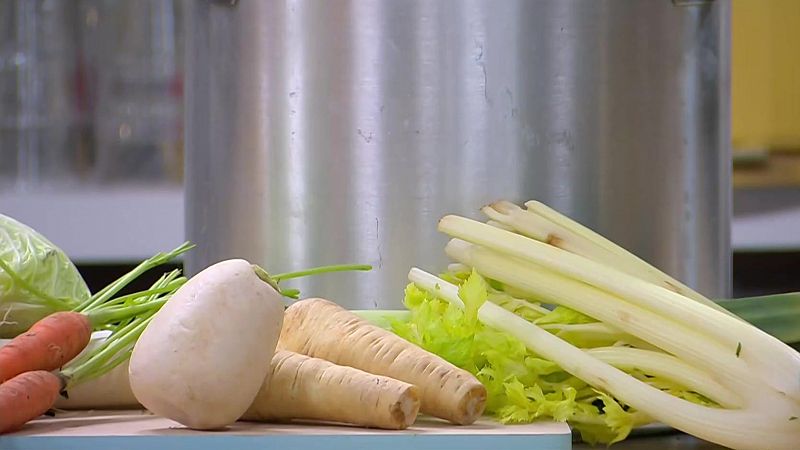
302 387
322 329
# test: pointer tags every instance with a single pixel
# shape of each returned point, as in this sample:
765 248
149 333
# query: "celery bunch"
562 323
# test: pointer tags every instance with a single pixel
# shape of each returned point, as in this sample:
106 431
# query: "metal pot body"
332 131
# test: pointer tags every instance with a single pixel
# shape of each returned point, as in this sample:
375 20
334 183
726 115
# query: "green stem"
116 310
105 316
95 365
48 300
782 297
273 280
116 333
171 286
291 293
106 293
162 283
128 317
265 277
320 270
108 367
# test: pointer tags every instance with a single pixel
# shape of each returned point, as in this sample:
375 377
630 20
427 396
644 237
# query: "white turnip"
206 353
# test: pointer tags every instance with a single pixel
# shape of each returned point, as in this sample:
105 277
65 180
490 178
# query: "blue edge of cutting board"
305 442
103 430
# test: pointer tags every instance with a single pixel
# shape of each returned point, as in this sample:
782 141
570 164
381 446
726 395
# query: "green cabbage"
522 387
41 279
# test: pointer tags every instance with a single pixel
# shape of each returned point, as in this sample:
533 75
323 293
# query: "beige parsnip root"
303 387
323 329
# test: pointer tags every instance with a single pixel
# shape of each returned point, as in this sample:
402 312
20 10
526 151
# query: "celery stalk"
660 314
669 367
547 225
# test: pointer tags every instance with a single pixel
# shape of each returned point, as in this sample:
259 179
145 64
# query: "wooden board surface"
137 430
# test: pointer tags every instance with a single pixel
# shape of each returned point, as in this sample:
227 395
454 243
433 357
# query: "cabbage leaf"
36 278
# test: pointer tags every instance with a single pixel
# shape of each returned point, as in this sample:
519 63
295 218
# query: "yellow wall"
766 74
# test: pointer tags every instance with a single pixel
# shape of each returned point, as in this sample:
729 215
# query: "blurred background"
91 138
91 100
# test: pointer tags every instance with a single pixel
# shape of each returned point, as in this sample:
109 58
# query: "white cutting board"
138 430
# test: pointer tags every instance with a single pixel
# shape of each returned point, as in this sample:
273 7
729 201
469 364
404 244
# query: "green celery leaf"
522 386
564 315
473 293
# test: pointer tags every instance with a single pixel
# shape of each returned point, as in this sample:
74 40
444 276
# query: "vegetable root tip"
534 205
26 397
472 405
405 411
502 206
443 222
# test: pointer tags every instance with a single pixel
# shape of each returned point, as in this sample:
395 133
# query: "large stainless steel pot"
322 131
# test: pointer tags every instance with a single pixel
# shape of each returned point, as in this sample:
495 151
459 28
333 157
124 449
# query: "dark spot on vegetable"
554 240
738 349
672 287
793 418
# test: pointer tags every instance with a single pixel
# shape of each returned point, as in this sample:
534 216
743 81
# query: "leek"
776 314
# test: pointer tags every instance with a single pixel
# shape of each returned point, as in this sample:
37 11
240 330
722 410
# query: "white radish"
109 391
206 353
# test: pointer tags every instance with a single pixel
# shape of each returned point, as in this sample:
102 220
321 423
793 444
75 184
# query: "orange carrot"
26 397
47 345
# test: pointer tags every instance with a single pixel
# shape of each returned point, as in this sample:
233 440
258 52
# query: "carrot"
26 397
31 393
323 329
47 345
302 387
